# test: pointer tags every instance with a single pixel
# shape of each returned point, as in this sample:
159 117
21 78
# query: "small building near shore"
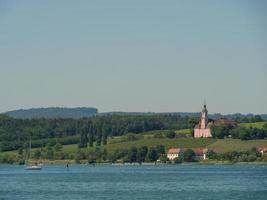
173 153
200 153
262 150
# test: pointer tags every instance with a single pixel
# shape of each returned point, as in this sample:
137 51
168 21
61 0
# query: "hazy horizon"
99 111
134 56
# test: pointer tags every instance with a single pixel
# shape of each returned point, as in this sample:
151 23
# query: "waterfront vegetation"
128 151
124 139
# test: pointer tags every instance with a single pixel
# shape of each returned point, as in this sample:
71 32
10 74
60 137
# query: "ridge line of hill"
81 112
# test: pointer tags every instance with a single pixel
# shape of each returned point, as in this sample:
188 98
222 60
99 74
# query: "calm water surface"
135 182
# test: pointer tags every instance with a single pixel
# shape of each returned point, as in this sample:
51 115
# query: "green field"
218 145
150 142
253 125
227 145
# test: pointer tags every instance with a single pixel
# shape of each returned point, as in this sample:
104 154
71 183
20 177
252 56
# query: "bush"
243 158
131 137
163 159
212 155
170 134
252 158
189 155
158 135
178 160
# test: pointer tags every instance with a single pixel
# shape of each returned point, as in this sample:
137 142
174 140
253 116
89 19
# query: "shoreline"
84 162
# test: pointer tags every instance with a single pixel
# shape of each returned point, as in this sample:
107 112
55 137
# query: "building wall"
198 132
172 156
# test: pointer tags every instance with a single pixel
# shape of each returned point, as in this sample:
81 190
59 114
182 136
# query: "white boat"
32 167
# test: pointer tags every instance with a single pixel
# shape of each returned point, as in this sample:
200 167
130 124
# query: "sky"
134 55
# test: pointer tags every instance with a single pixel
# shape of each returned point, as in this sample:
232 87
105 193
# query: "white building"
173 153
200 153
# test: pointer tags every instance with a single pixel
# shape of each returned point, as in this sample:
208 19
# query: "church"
202 129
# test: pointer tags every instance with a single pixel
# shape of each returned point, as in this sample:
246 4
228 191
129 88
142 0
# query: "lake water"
135 182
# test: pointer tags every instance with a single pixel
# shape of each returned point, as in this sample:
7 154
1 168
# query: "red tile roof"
200 151
174 151
197 151
263 149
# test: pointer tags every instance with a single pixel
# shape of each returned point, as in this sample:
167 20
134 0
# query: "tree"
58 147
160 149
158 135
84 139
211 154
104 138
152 154
170 134
98 136
20 151
189 155
105 130
49 151
163 159
37 154
220 131
91 136
132 153
141 154
178 160
192 121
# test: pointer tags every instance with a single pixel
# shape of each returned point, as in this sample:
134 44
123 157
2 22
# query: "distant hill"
52 112
76 113
190 114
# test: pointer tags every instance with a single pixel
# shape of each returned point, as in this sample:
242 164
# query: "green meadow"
253 125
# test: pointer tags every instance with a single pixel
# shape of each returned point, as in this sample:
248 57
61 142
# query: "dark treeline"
16 133
239 132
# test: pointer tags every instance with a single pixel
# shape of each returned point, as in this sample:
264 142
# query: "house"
201 153
173 153
262 150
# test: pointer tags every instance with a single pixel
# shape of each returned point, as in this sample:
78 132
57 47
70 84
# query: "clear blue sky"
138 55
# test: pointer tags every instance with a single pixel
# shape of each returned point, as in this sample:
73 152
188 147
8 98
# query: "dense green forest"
16 133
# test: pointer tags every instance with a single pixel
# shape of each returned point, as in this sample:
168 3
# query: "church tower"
202 129
204 117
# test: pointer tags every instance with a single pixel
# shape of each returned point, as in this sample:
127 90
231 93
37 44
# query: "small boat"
31 167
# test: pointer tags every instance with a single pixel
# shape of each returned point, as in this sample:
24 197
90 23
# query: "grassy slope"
253 125
227 145
150 142
224 145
